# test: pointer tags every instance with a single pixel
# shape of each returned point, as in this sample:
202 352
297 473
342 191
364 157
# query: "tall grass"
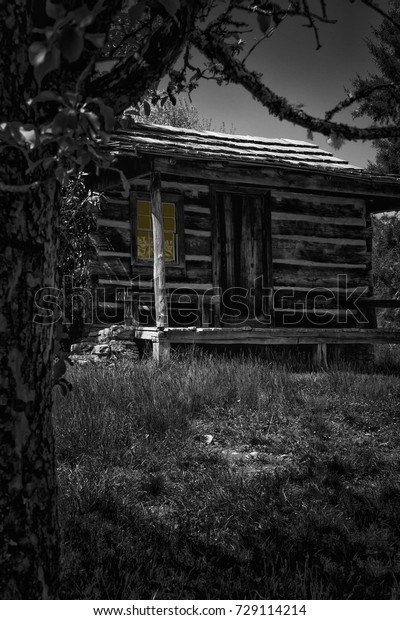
297 495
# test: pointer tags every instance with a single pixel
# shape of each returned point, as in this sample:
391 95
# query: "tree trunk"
29 547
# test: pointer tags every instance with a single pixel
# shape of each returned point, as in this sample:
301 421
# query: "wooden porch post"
319 356
160 349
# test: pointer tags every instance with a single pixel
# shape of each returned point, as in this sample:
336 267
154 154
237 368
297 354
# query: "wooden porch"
162 338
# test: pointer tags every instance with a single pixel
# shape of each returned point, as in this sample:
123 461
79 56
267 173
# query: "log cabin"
226 239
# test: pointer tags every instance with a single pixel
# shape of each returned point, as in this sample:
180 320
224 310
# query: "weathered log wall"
319 238
320 258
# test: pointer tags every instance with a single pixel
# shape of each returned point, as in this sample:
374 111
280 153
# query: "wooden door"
242 258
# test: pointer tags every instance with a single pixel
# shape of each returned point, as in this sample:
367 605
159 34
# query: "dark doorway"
242 257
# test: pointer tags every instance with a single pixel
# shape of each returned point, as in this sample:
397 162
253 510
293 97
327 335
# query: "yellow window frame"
142 241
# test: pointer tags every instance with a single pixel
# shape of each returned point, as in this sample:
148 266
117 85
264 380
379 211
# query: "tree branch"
375 6
278 106
18 189
130 78
357 96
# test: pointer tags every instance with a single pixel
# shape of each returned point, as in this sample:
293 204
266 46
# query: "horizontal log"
195 244
111 268
192 286
337 290
116 305
198 209
189 190
112 253
198 271
113 238
198 257
308 253
300 263
197 221
360 243
194 271
314 226
193 232
145 270
321 312
318 206
115 209
323 298
103 221
115 194
312 320
278 177
322 219
269 336
286 275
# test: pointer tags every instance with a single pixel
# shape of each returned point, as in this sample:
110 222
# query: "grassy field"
216 478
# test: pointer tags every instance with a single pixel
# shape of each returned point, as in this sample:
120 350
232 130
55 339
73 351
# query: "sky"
293 68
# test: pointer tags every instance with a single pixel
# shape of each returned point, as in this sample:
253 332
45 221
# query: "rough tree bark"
28 222
28 507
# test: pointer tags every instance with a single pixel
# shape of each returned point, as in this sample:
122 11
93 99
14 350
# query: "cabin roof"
182 143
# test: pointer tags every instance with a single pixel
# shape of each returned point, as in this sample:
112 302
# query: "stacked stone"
112 343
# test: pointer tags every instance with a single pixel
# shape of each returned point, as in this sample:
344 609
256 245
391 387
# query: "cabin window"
143 250
145 231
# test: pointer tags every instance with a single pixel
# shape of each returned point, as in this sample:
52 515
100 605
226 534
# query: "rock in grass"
117 332
82 347
124 348
101 349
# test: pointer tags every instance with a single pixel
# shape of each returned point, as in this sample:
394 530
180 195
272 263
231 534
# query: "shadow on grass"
296 495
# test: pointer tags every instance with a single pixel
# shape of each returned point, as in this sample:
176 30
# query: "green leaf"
105 66
264 22
62 175
147 108
97 38
50 63
106 112
136 12
37 53
71 43
46 95
29 136
55 10
85 16
64 121
94 120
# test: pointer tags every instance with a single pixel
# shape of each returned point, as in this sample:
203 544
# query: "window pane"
144 246
169 243
143 207
168 209
144 222
151 245
145 230
169 224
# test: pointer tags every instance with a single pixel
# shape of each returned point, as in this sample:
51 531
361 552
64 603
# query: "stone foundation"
112 343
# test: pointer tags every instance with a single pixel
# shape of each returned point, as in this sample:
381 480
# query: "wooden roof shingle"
161 140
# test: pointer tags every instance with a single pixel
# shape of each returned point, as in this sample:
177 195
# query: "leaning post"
160 348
